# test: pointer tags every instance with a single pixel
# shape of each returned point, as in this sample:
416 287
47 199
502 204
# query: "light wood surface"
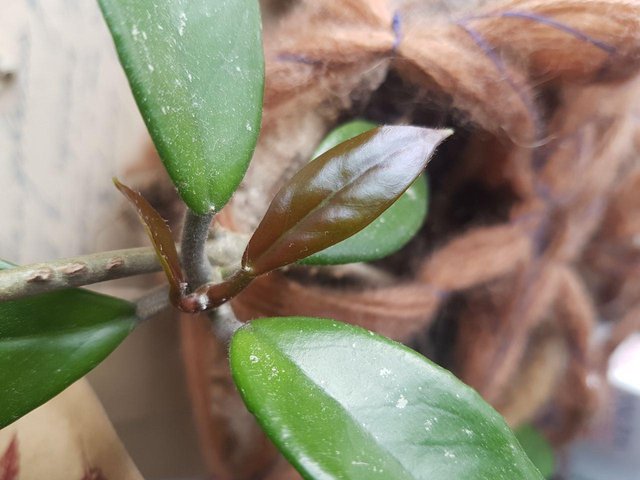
68 123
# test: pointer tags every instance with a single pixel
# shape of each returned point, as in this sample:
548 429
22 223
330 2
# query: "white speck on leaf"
449 454
385 372
254 359
183 23
150 67
402 402
248 127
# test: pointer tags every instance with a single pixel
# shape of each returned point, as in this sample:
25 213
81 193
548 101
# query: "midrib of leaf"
266 338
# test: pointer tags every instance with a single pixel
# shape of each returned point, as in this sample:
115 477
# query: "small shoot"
330 199
340 193
161 239
386 234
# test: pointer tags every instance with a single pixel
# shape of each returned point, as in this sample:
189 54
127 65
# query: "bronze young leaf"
339 193
161 238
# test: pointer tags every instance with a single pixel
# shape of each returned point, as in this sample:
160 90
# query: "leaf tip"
437 135
126 191
446 132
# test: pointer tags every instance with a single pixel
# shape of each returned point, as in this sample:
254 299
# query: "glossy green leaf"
196 71
538 449
386 234
339 193
341 134
341 402
49 341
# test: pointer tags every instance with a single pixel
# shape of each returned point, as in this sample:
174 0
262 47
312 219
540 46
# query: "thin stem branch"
224 249
199 271
194 258
73 272
152 303
224 322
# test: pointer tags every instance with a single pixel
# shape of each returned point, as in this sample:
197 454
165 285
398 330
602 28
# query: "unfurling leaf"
340 193
196 70
50 340
342 402
386 234
161 238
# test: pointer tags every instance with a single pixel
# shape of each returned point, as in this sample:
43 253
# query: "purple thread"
295 58
610 49
501 67
396 26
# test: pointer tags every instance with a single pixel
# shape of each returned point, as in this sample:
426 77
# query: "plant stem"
199 271
73 272
224 322
225 248
194 258
152 303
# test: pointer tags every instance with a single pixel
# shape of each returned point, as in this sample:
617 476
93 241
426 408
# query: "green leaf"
341 402
341 134
196 70
386 234
339 193
538 449
49 341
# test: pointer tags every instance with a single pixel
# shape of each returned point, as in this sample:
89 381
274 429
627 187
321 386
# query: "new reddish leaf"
161 238
339 193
